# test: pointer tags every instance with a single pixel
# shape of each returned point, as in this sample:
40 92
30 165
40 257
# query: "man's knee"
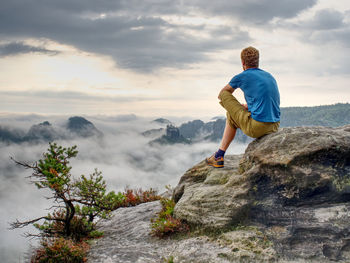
226 99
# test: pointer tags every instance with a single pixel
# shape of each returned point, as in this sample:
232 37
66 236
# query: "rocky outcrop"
287 199
41 132
171 136
288 196
82 127
203 189
127 240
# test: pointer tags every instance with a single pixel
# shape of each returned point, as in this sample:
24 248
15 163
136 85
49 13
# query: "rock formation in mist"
153 133
82 127
287 199
162 121
41 132
197 131
191 129
172 135
329 115
11 135
46 132
193 132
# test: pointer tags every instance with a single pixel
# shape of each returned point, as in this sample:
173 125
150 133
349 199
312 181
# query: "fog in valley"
123 154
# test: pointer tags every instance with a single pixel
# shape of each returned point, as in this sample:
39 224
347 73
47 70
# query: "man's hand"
245 106
227 88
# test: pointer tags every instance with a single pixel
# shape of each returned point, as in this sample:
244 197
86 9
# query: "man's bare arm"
231 90
226 88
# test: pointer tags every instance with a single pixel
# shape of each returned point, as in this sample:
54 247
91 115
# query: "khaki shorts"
239 117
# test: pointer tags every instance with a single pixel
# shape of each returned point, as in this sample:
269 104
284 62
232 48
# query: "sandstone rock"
212 197
127 240
293 186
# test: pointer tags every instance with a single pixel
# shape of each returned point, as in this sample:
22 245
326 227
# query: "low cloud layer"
123 155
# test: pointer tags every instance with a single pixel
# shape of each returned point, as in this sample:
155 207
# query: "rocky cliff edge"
287 199
292 187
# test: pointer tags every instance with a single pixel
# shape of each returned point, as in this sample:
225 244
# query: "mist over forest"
123 154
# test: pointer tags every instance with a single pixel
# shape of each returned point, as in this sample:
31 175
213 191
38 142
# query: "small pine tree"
78 201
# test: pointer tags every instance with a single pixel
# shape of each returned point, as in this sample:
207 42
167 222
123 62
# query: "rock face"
203 189
127 240
291 187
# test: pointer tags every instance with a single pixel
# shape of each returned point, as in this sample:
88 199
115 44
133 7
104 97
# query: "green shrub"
165 224
80 227
96 234
170 259
58 250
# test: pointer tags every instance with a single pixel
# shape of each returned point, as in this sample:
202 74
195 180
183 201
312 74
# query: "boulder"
292 186
211 197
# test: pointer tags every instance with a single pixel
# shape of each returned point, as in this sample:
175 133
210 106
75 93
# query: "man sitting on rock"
261 114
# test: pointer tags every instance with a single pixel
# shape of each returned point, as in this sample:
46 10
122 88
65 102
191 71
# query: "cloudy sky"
166 57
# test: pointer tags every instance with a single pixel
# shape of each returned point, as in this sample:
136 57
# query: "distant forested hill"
329 115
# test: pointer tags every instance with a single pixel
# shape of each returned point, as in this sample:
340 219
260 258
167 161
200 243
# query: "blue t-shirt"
260 92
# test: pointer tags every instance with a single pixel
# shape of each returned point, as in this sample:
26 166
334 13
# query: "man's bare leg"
227 137
217 159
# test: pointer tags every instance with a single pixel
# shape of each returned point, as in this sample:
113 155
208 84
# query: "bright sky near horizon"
169 57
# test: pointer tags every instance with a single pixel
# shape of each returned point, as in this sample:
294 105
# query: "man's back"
260 92
262 114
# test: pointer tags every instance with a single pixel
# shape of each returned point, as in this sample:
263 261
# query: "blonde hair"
250 57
